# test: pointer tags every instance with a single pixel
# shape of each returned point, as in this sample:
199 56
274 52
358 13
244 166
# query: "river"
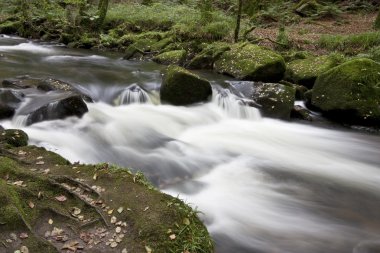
261 185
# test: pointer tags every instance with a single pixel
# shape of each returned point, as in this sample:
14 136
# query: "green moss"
10 27
181 87
13 137
306 71
148 213
176 57
251 62
351 89
206 58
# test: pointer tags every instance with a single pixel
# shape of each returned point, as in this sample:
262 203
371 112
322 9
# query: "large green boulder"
176 57
275 100
306 71
251 62
181 87
350 92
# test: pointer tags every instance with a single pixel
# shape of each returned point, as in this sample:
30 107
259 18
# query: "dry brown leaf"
24 235
172 236
61 198
50 221
31 204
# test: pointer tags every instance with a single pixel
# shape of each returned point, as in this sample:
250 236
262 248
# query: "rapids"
261 185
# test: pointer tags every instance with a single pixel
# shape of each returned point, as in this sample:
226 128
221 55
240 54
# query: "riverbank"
47 202
306 39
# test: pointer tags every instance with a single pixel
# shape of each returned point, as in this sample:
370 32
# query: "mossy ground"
40 192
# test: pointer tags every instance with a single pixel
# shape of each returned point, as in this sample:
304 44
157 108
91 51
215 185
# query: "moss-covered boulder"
176 57
306 71
275 100
350 92
181 87
206 58
13 137
251 62
49 205
10 27
139 48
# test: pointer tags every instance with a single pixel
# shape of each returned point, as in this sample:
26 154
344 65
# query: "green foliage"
350 44
282 40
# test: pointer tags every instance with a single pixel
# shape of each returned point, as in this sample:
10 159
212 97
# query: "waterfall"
234 106
133 94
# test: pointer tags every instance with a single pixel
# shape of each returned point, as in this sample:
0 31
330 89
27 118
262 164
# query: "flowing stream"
262 185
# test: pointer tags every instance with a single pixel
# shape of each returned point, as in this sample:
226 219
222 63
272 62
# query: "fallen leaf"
172 236
61 198
118 230
148 249
40 163
186 221
95 176
120 209
71 245
18 183
146 208
113 244
40 195
24 235
40 157
124 250
110 211
21 152
76 211
31 204
113 220
50 221
24 249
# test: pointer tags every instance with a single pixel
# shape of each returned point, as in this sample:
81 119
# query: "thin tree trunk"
376 25
102 11
238 20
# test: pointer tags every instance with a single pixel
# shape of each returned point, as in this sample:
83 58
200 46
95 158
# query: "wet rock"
181 87
350 92
300 112
276 100
10 27
66 107
251 62
9 101
42 84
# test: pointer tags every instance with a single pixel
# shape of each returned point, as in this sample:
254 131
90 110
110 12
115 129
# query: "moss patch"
350 91
306 71
175 57
96 208
251 62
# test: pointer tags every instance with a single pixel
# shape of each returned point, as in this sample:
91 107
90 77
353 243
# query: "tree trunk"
238 19
102 12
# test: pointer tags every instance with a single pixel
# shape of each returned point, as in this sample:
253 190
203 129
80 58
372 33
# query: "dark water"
262 185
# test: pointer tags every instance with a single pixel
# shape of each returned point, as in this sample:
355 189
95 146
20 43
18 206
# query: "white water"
262 185
27 47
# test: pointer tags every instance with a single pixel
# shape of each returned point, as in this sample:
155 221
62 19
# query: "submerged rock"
299 112
350 92
176 57
276 100
251 62
9 101
181 87
62 108
42 84
306 71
